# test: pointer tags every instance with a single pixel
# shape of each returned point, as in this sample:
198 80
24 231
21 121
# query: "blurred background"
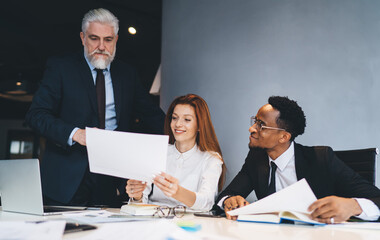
32 31
234 53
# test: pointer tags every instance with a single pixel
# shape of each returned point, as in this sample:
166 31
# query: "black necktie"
101 96
272 185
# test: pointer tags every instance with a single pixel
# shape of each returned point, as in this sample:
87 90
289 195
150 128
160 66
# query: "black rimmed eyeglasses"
164 211
259 125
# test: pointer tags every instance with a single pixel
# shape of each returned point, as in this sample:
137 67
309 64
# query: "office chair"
362 161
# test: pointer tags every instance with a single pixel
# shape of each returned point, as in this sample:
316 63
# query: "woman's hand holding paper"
135 189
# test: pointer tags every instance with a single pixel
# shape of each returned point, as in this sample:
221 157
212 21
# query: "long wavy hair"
206 138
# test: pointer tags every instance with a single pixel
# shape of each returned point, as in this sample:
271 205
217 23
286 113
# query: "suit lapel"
88 81
117 84
302 168
263 175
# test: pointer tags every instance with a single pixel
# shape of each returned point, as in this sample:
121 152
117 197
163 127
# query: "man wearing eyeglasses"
275 161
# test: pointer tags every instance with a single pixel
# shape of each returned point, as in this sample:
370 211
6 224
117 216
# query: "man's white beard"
100 62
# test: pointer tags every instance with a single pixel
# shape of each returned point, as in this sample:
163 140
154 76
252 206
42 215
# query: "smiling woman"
184 127
195 166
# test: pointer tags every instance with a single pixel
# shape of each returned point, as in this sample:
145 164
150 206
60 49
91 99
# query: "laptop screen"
20 186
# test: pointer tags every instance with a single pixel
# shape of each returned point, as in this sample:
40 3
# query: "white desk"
237 230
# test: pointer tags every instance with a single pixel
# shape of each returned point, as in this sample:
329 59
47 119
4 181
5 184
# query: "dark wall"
32 31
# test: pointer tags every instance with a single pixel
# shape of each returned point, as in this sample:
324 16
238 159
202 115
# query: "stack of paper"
139 209
289 204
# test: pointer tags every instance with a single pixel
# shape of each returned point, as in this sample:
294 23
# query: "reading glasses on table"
164 211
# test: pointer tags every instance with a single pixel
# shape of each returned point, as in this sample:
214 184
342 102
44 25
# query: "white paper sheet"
356 225
126 155
152 230
297 197
51 230
102 216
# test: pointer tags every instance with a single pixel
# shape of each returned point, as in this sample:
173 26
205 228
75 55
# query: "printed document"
297 197
51 230
126 155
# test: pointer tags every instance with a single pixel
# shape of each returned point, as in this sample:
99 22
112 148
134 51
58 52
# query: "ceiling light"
132 30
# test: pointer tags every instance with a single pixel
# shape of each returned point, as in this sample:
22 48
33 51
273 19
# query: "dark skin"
276 142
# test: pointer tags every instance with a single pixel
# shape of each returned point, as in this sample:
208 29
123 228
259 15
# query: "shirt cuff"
70 141
221 201
370 211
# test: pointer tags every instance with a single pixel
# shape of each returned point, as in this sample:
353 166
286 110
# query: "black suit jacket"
326 174
67 99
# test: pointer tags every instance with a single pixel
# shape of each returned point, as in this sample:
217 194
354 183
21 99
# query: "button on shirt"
196 171
111 123
286 176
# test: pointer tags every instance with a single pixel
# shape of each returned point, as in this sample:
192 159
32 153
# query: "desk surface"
237 230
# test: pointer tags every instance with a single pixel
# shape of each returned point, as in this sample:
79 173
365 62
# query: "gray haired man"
88 89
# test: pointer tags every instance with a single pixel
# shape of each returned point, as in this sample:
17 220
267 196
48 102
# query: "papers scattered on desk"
126 155
101 216
152 230
290 203
52 230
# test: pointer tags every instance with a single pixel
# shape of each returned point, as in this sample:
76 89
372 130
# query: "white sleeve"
221 201
146 192
208 188
370 211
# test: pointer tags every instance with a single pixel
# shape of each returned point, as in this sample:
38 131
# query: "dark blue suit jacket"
326 174
67 99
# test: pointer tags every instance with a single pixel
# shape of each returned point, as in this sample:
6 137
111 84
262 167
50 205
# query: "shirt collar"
284 158
92 67
187 154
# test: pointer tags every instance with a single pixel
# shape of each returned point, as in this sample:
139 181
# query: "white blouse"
196 171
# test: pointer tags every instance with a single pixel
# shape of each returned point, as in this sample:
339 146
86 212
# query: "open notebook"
285 206
279 217
20 188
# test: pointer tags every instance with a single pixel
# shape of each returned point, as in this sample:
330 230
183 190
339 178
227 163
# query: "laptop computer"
20 189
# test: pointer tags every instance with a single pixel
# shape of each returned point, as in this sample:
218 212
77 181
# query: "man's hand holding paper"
295 198
299 198
334 209
232 203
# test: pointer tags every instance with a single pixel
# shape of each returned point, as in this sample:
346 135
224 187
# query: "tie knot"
273 166
99 70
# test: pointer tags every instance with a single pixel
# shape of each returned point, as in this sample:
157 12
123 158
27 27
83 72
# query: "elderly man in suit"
275 161
89 89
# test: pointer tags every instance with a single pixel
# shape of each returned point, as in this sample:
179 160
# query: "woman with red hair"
195 168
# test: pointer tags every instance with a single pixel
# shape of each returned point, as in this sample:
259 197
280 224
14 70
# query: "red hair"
206 138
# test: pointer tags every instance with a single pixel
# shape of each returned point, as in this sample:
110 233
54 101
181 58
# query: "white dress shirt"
196 171
286 176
